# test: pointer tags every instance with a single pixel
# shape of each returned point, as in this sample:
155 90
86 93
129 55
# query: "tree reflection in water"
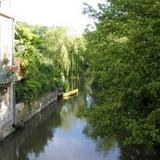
60 119
127 152
137 152
27 141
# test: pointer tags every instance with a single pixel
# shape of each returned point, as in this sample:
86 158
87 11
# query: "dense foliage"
124 54
48 56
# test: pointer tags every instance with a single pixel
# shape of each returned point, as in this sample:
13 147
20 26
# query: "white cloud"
52 12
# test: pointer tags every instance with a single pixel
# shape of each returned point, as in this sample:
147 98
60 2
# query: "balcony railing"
10 74
7 76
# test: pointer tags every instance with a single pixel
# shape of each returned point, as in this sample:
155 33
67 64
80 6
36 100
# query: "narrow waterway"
57 133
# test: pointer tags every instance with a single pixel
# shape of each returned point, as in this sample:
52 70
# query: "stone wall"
24 113
6 61
6 112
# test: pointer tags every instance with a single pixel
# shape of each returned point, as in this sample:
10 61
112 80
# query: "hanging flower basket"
13 69
9 74
18 68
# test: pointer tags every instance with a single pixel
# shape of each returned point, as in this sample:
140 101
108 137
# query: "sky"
53 12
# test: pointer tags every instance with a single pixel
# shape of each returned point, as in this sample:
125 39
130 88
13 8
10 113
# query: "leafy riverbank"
123 53
48 55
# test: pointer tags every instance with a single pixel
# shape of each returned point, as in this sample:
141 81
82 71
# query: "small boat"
68 97
70 93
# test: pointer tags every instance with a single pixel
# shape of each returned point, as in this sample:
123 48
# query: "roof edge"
6 16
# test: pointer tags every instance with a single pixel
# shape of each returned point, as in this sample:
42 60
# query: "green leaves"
48 54
39 76
124 59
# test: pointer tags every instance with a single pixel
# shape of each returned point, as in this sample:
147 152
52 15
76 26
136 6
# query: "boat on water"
71 93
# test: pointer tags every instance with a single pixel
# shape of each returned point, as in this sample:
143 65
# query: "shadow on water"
33 138
57 133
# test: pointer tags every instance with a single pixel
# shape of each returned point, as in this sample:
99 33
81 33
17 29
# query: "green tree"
48 54
39 76
124 59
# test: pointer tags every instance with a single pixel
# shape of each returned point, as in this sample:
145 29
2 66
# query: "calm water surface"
58 134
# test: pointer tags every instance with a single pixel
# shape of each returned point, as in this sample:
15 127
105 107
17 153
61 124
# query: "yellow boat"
70 93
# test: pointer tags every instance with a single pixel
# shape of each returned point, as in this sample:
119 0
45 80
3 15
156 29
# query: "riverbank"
47 134
24 113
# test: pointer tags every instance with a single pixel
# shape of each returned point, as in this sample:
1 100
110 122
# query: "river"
57 133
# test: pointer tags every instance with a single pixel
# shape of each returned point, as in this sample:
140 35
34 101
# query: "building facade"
7 78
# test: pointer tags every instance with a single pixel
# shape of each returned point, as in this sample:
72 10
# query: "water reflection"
33 138
56 133
138 152
89 100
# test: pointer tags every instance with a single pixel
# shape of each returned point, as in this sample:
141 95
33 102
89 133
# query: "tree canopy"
49 55
125 51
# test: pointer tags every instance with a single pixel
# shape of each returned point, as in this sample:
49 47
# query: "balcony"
7 76
11 74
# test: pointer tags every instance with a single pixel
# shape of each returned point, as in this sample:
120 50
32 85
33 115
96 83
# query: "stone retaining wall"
23 113
6 112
